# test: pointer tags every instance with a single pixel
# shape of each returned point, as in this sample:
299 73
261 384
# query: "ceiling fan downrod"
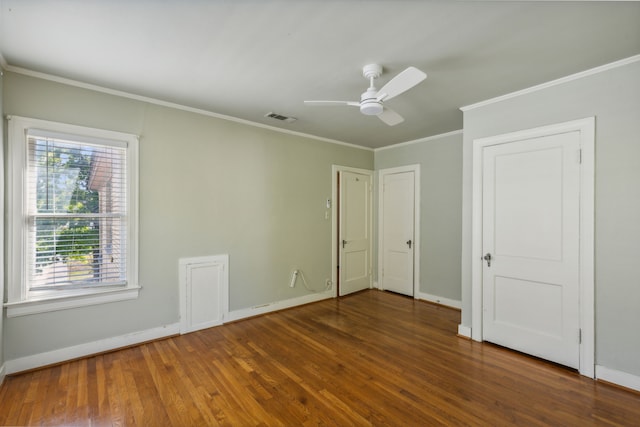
370 105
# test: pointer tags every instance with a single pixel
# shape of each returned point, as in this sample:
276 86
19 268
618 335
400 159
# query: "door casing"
586 128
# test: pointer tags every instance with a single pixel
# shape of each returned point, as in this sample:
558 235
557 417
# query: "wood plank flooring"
373 358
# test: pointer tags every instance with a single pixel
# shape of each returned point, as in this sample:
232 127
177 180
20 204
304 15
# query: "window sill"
44 305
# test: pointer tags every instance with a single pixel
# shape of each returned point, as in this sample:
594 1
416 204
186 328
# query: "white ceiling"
245 58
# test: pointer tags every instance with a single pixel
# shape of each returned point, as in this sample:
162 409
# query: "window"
73 216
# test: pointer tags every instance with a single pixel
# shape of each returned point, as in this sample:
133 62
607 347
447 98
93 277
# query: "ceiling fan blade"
390 117
401 83
331 103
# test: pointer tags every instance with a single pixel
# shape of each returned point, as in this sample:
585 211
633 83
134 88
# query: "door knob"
409 243
487 258
344 242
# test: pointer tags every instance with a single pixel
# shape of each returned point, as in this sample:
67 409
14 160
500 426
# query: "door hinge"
579 336
580 156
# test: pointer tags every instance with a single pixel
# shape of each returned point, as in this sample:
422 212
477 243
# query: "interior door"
355 231
530 236
398 240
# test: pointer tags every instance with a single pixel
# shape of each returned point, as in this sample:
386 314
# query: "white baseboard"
464 331
82 350
453 303
244 313
620 378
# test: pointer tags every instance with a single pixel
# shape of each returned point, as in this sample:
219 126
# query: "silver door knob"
487 258
409 243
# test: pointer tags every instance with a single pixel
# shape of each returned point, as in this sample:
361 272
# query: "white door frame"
586 127
335 220
416 222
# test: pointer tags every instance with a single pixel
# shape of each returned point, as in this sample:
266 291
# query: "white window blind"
76 212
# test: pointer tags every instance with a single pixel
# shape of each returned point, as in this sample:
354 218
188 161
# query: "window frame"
22 302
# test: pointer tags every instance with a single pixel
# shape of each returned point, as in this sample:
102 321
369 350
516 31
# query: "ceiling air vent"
280 117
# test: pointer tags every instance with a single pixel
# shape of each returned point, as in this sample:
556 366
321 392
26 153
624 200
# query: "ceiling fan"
371 101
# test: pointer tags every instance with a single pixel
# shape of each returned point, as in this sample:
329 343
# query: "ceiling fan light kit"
369 104
371 101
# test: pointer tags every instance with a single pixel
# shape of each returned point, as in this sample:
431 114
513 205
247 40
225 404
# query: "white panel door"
203 292
398 232
355 232
531 211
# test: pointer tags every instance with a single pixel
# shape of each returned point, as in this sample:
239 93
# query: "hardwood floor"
373 358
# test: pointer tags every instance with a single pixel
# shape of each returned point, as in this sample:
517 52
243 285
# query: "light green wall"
207 186
440 162
613 97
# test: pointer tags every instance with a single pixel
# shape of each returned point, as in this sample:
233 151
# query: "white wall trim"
154 101
448 302
24 308
83 350
418 141
464 331
3 63
257 310
586 127
416 222
552 83
620 378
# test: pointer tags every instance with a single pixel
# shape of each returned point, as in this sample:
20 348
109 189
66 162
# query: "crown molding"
556 82
417 141
155 101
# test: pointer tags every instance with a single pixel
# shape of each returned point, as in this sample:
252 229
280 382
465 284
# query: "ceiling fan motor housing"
369 104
